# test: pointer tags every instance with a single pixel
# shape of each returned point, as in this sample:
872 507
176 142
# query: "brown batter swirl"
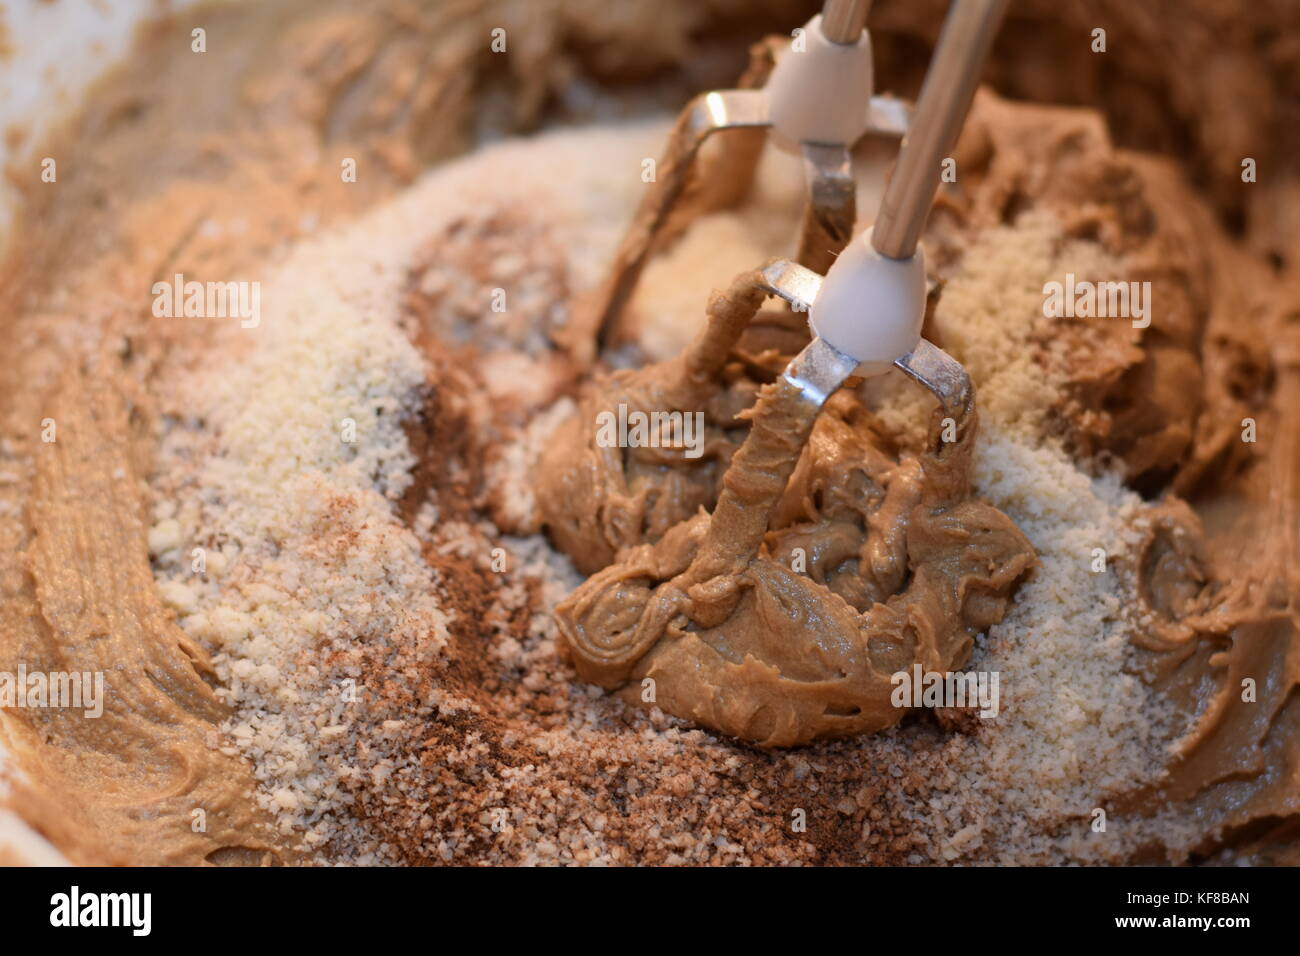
903 566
